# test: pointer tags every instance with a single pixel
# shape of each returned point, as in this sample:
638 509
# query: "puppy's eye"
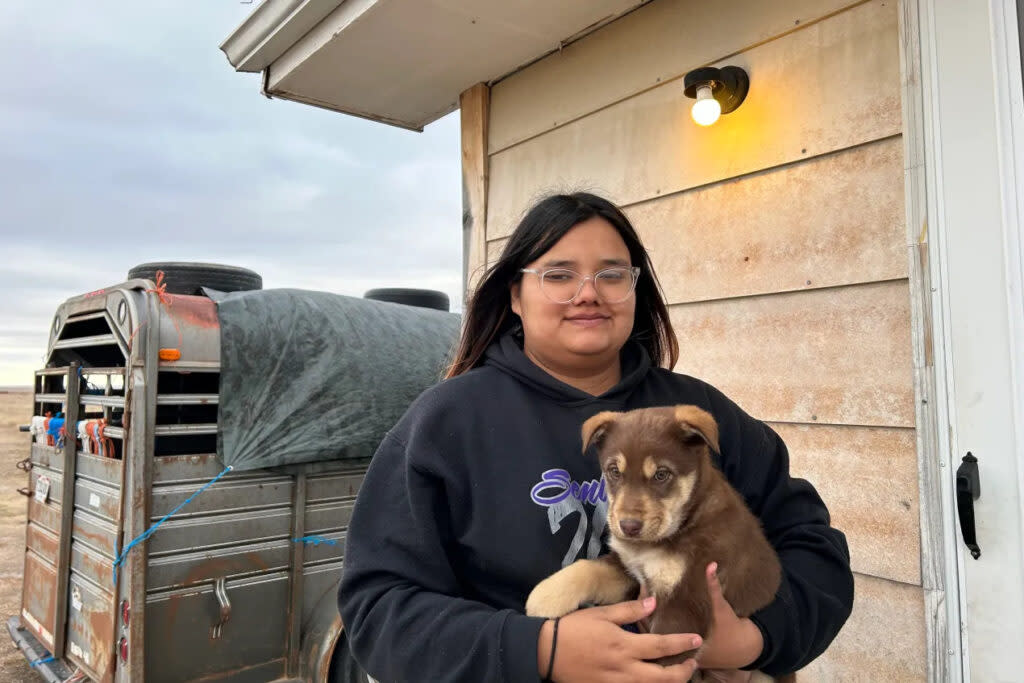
662 475
612 472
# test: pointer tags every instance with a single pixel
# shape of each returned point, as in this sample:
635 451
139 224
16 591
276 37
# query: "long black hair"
489 313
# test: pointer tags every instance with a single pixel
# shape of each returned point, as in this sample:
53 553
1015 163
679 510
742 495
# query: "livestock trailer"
146 559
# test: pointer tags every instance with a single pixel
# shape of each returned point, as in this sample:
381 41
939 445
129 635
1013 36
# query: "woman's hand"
735 642
593 646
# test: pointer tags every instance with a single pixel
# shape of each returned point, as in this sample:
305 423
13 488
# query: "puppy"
670 514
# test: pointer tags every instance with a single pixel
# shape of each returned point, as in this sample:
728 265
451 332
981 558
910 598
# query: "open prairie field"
15 409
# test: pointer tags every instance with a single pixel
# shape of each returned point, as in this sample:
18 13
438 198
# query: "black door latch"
968 490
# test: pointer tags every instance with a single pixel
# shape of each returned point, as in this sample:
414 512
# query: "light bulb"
706 109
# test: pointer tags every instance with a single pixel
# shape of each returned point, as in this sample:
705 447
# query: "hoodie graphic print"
567 501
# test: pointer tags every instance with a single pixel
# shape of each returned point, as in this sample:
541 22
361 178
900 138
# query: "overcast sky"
126 137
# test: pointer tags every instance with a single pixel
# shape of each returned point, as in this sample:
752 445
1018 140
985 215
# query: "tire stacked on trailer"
183 277
423 298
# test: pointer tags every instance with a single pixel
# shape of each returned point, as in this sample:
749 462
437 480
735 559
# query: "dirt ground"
15 409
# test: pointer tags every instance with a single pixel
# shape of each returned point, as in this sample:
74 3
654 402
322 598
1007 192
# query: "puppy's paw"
584 582
554 597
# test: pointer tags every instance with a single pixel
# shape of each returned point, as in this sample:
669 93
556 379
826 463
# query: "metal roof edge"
273 28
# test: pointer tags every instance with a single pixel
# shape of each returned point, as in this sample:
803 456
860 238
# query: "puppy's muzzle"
631 527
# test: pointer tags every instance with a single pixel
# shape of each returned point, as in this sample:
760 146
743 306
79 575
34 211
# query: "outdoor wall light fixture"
717 91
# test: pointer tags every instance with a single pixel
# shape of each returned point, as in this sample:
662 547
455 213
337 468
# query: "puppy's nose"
631 527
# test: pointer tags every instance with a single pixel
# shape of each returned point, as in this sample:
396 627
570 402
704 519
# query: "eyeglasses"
561 285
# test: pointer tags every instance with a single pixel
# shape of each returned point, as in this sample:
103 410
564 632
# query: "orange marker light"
170 354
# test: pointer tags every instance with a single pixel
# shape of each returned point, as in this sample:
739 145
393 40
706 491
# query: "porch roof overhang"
403 62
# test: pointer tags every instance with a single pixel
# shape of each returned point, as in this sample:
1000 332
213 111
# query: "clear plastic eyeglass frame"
633 271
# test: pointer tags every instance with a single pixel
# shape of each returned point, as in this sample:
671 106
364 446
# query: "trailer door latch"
220 590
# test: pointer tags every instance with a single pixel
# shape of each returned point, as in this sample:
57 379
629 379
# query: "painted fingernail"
695 642
649 602
714 569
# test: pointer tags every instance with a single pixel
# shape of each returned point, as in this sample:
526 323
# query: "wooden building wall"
780 238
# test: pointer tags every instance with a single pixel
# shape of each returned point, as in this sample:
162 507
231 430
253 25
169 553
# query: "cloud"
125 137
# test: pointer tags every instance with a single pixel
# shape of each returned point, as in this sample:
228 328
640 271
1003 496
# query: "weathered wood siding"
779 235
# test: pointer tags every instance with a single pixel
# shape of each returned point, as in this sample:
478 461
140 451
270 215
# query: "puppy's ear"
594 429
698 422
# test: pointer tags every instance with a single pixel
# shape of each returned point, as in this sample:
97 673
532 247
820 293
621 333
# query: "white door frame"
971 133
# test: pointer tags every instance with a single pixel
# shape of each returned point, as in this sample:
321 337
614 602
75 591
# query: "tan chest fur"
660 571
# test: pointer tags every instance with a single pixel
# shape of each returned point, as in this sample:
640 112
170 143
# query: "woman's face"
587 332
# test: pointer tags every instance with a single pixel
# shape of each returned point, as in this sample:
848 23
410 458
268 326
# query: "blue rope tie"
42 660
149 532
315 540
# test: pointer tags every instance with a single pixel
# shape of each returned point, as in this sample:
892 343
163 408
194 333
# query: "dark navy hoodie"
481 491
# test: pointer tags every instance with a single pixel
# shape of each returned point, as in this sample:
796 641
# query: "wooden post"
928 399
475 113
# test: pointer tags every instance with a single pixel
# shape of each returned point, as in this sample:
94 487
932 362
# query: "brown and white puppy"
671 513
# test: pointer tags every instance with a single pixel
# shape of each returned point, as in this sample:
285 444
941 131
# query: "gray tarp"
308 376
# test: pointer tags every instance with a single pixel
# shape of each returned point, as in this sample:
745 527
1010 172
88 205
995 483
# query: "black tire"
423 298
182 277
343 667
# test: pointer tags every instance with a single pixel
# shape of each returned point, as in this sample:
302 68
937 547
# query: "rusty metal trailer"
239 585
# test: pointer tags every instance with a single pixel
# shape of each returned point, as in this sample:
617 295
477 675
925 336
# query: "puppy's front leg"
601 582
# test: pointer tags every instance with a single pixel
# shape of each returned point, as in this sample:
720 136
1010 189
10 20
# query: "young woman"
480 491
